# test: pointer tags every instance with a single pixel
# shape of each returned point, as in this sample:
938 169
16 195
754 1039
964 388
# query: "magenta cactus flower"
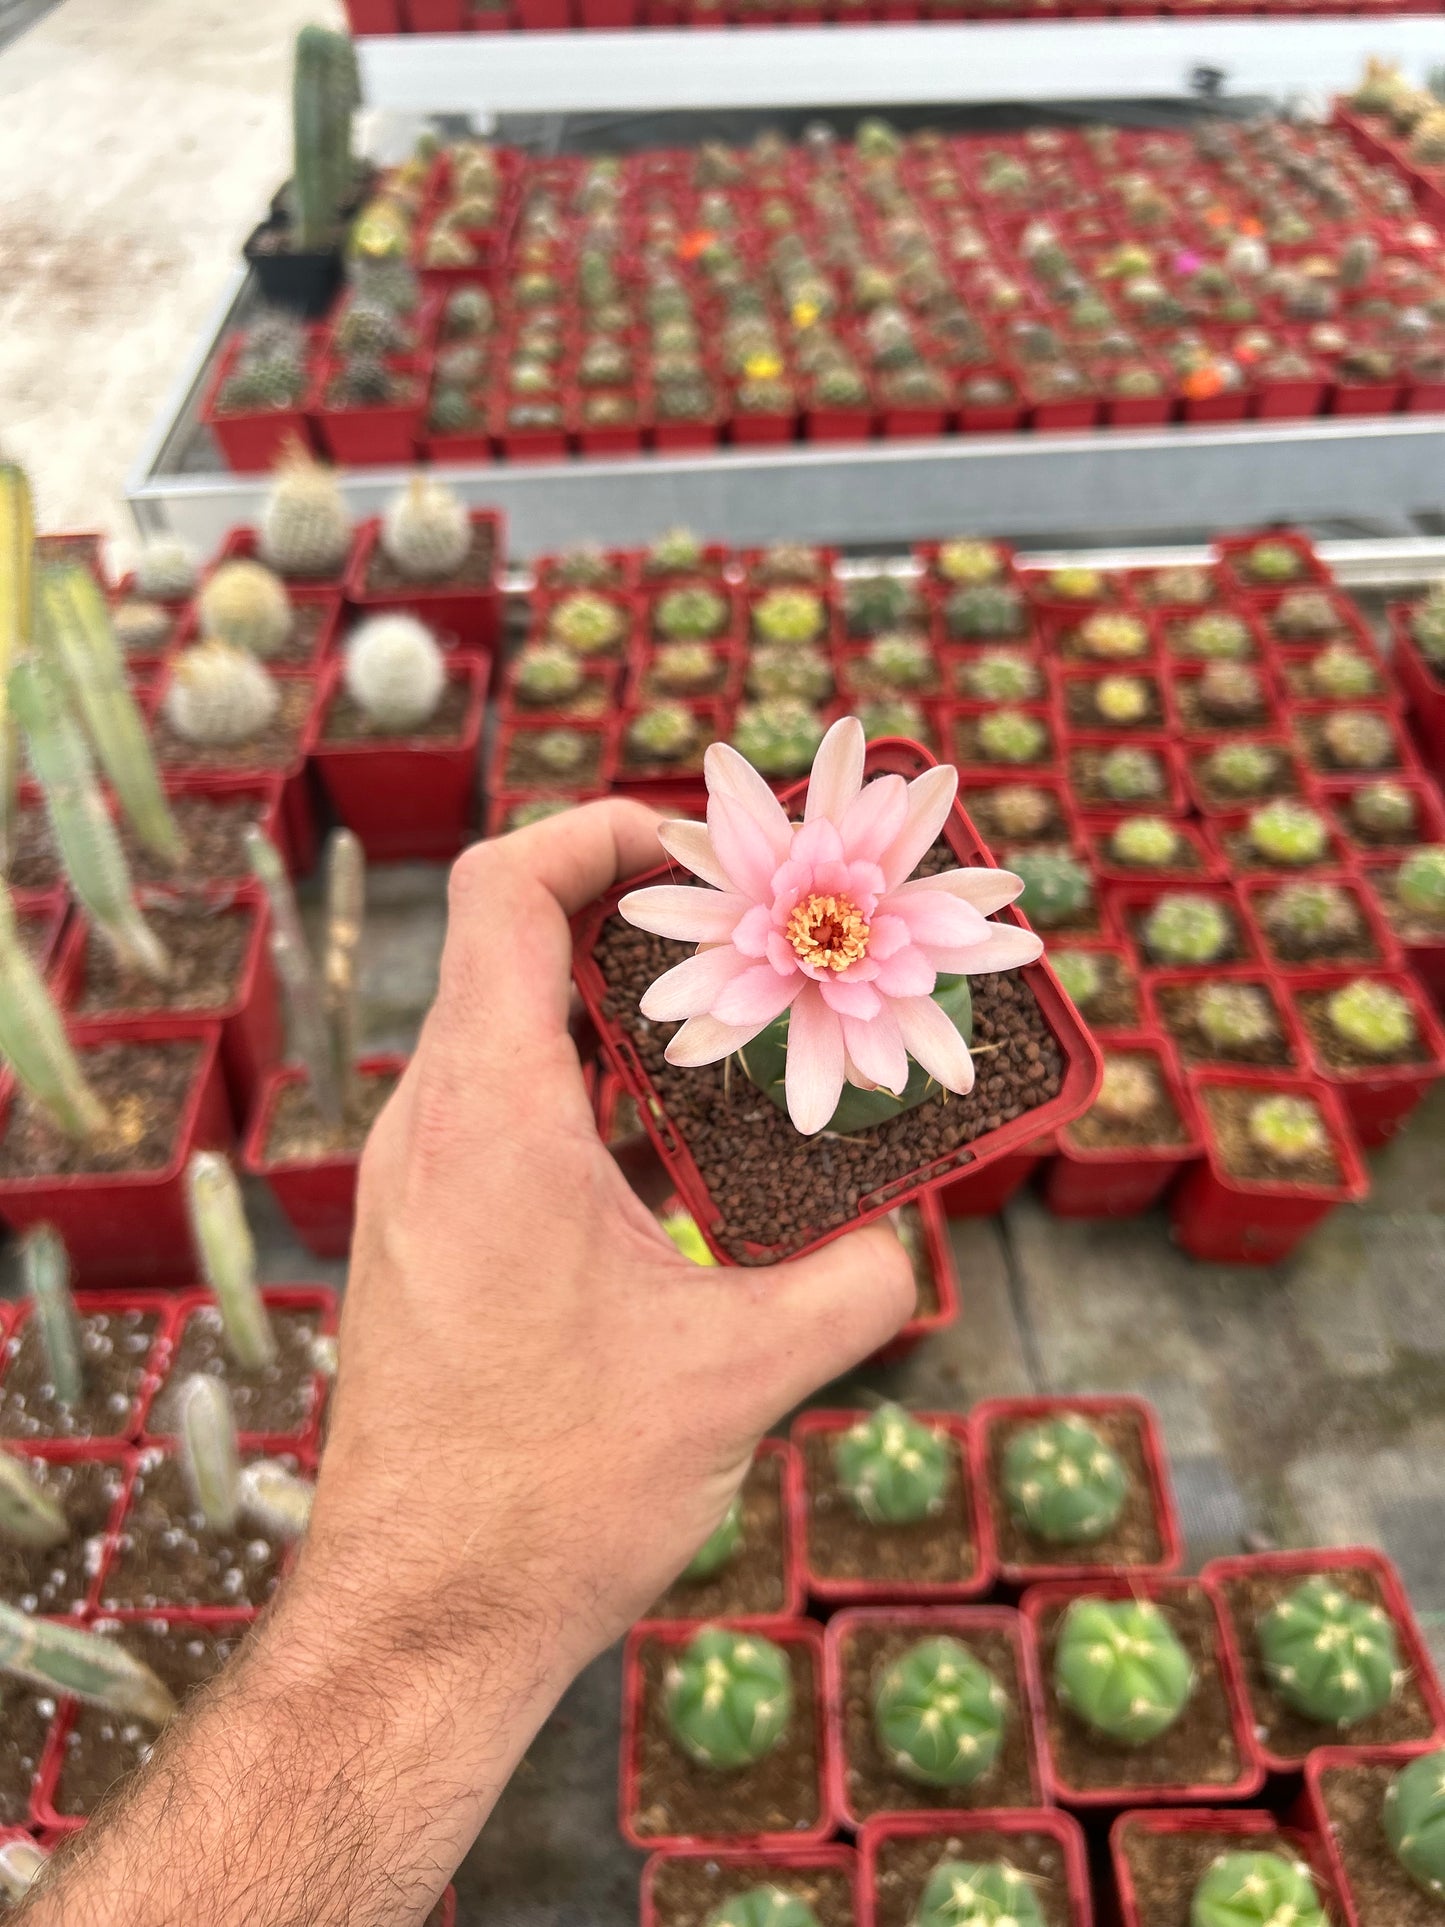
819 919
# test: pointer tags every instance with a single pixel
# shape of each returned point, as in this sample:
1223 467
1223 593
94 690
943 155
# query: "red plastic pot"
930 1622
111 1451
821 1423
471 616
133 1225
1023 1411
1097 828
751 1868
1159 981
952 1831
1229 1220
1423 690
938 1247
1132 902
1074 675
790 1528
280 1298
445 1912
1313 1812
1222 831
1040 1601
838 424
1254 893
384 436
1185 672
1095 1183
253 441
1233 1827
597 781
1232 549
1378 1098
162 1305
1405 763
1203 798
803 1643
952 716
317 1195
1081 1063
1429 815
1303 1565
435 16
373 16
984 1194
533 14
263 791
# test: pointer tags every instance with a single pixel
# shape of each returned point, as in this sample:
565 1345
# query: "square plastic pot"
1228 1220
1081 1067
1234 856
1131 904
1097 828
802 1640
744 1868
1232 549
938 1253
1184 673
435 16
374 16
252 440
997 1412
1159 981
407 798
131 1226
1313 1814
1074 1901
986 1192
162 1305
1255 891
1039 1601
1423 690
1209 803
470 616
1234 1828
1379 1099
262 791
1336 792
828 1592
838 424
1424 956
1415 1654
1095 1183
314 1298
384 436
318 1195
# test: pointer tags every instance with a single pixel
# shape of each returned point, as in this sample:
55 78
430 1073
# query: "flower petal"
729 774
876 1047
691 844
752 931
692 988
874 818
742 847
986 890
930 798
850 997
837 772
932 1041
886 936
908 973
814 1080
936 918
818 846
1005 947
682 911
703 1040
758 996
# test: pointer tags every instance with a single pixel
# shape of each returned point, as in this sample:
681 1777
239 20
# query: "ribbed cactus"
1257 1890
763 1907
33 1040
395 673
900 660
676 551
305 524
245 604
1019 809
60 1658
22 1861
990 1893
219 697
874 604
45 1274
1374 1017
1131 775
28 1514
165 570
1288 834
1012 736
969 560
1129 1089
561 752
1185 927
779 738
1289 1130
426 531
1057 887
789 617
1413 1813
1272 563
1110 637
729 1698
227 1255
694 614
1230 692
1328 1655
208 1450
894 1470
684 668
1062 1482
326 92
939 1714
1420 883
1119 1666
1146 843
275 1500
720 1548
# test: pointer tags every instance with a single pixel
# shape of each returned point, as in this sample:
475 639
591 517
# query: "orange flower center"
829 932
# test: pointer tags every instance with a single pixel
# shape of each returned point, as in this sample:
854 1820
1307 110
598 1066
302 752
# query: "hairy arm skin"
542 1411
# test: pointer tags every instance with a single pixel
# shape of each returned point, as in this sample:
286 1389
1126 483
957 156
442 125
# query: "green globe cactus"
1119 1666
782 670
1257 1890
1384 810
1242 769
1021 810
1420 882
874 604
1288 834
990 1893
1230 692
985 611
900 660
763 1907
694 614
1357 739
968 561
1375 1018
893 716
791 617
676 552
1272 563
720 1548
894 1470
1058 889
1289 1130
1077 584
561 752
1413 1813
729 1698
778 737
1080 974
1235 1018
1130 775
1122 700
1341 671
1217 638
1187 928
939 1714
1002 676
1012 736
588 624
1062 1482
684 668
548 674
1108 636
1312 919
1146 843
1330 1656
662 733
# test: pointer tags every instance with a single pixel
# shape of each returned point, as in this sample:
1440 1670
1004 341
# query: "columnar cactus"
227 1257
326 92
1079 973
311 1030
209 1452
305 524
1012 736
219 697
1384 809
274 1500
987 610
1230 692
787 617
990 1893
1235 1017
1288 834
1185 927
45 1274
548 674
1146 843
729 1698
245 604
894 1470
1257 1890
1330 1656
1242 769
1062 1482
395 673
1057 887
779 738
587 624
1131 775
60 1658
1420 883
1110 637
1119 1666
28 1514
426 532
662 733
33 1040
1414 1819
1375 1018
939 1714
1341 671
165 570
1312 919
720 1548
1358 739
763 1907
22 1861
1288 1130
695 614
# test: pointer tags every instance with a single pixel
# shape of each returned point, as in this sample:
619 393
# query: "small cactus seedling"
395 673
426 533
1312 919
1119 1666
1020 810
968 561
547 674
1257 1890
875 604
561 752
1012 736
684 668
1146 843
1375 1018
1186 928
664 733
1330 1656
245 605
1234 1018
1427 626
1242 769
1420 883
165 570
60 1658
1342 672
780 670
1413 1813
720 1548
219 697
227 1256
1230 692
789 618
33 1040
691 615
763 1907
1288 1130
901 661
894 1470
779 737
22 1861
1304 615
939 1714
208 1450
1288 834
676 552
985 611
28 1514
729 1698
587 624
1079 972
45 1274
1272 563
989 1893
789 562
1357 739
1109 637
1217 638
1077 584
1058 889
1129 1091
893 716
273 1499
1062 1482
1002 676
1130 775
1384 810
1122 700
305 524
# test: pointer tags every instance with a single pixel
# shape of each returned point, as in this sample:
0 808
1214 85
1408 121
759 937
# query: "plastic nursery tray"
1230 1825
741 1868
1082 1065
952 1832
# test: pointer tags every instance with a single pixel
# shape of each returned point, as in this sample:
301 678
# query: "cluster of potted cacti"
1392 120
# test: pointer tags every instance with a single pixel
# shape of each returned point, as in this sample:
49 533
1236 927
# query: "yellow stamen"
828 932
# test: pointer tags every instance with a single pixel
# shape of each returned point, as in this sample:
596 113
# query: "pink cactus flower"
820 919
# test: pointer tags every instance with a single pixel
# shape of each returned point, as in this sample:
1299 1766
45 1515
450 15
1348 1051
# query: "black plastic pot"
305 281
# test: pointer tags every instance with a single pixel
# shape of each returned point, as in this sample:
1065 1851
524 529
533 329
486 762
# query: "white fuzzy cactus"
395 673
246 605
219 697
426 531
165 570
305 524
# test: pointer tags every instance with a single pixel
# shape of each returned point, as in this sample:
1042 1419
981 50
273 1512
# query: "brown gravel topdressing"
873 1785
207 949
347 722
213 829
1178 1007
1160 1126
1339 1052
1167 1867
475 570
277 1398
1115 1005
56 1579
686 1892
23 1727
1383 1893
143 1087
116 1348
1227 1107
1247 1598
1134 1540
277 747
778 1794
525 769
166 1554
1198 1750
906 1864
842 1544
296 1132
752 1581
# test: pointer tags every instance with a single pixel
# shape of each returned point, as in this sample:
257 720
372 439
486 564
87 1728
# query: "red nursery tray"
953 1832
129 1226
1079 1081
159 1303
1235 1828
803 1642
1301 1565
737 1869
1422 688
1313 1812
1380 1098
470 615
279 1298
868 1592
252 440
1096 1182
1010 1411
1255 890
1096 830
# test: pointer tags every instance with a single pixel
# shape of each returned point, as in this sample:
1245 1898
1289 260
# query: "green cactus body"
985 611
1330 1656
763 1907
729 1698
45 1274
1342 671
677 552
1257 1890
990 1893
1129 1090
1021 810
34 1043
1289 1130
791 618
1076 584
1383 810
1129 775
1002 676
1427 626
901 661
1357 739
325 94
1058 889
720 1547
587 624
1187 928
227 1255
873 605
1122 700
1420 883
1011 736
1312 919
664 733
1305 615
1272 563
1119 1666
561 752
968 561
1110 637
1146 843
1217 638
1288 834
22 1862
1079 973
694 614
684 668
782 670
778 737
939 1714
208 1450
1242 769
1062 1483
547 674
894 1470
245 605
61 1658
1234 1018
1413 1814
1374 1018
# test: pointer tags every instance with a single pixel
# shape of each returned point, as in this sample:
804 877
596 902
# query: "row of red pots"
459 16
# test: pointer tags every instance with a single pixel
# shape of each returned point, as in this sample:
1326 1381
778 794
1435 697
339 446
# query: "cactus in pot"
939 1715
1058 889
245 605
662 733
1120 1668
1001 676
894 1470
1342 672
165 570
1357 739
1080 974
547 674
219 697
967 560
1413 1813
1373 1018
209 1453
1271 563
875 604
1247 1889
1011 736
1146 843
1107 636
1234 1018
59 1658
1420 883
1021 810
326 92
1312 919
1217 638
1242 769
1184 927
901 661
985 610
1330 1657
782 670
1122 700
1288 834
1129 1091
729 1698
779 737
34 1044
1287 1130
586 623
305 524
991 1893
28 1514
227 1255
676 552
1230 692
720 1548
1062 1483
766 1906
684 668
1131 775
395 673
1385 810
789 617
694 614
426 533
273 1499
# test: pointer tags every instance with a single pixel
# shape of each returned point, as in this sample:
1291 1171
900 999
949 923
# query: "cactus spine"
310 1026
17 617
1257 1890
219 696
991 1893
325 94
305 525
894 1470
426 531
1414 1818
208 1450
763 1907
45 1272
34 1043
1330 1656
28 1514
275 1500
228 1259
60 1658
1119 1666
729 1698
939 1714
1062 1482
